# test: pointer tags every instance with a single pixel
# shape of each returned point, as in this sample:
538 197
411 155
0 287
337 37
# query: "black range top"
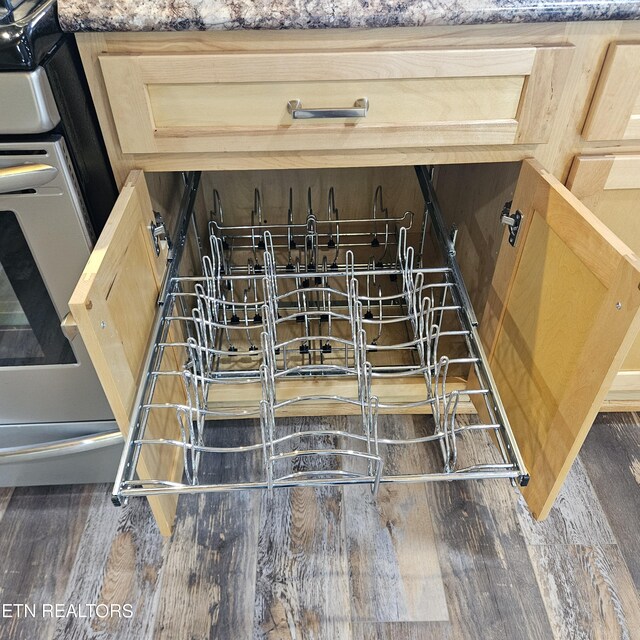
28 31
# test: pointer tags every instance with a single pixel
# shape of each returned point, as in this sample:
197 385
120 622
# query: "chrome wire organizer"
323 317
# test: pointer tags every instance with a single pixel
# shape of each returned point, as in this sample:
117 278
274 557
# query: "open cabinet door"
561 315
114 305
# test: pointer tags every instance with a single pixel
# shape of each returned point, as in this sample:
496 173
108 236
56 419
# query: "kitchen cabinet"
559 305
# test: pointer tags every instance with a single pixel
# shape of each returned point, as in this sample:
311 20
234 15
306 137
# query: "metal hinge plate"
158 232
513 221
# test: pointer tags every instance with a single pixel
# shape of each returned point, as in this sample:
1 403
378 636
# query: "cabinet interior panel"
540 335
618 209
472 197
610 187
354 190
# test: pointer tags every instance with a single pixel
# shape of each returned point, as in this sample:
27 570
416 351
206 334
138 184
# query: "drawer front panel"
239 102
264 104
610 186
615 110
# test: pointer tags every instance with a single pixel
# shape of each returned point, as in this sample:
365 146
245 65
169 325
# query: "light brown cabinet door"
238 102
561 315
610 186
114 306
615 110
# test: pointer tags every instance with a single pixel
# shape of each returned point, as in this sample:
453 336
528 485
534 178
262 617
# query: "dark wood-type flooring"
440 561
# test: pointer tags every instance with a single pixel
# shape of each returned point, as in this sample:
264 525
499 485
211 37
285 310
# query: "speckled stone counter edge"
200 15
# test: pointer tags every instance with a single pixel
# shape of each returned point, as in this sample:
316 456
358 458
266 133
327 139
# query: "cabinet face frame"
150 116
599 259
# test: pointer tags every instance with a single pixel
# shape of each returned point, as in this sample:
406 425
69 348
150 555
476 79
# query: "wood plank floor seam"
334 564
580 579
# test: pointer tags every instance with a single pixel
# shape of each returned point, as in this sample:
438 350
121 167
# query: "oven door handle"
28 453
26 176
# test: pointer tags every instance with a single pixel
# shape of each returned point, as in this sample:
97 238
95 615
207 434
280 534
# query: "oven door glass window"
30 333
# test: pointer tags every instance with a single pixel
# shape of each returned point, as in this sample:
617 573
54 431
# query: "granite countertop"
180 15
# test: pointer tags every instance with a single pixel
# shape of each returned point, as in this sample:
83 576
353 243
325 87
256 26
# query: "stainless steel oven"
44 244
55 422
52 404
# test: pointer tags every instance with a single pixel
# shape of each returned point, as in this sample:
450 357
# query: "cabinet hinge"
513 221
158 232
453 236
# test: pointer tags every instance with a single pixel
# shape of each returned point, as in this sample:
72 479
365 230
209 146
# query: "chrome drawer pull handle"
359 110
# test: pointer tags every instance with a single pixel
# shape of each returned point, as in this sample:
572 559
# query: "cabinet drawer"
610 186
562 311
615 109
188 103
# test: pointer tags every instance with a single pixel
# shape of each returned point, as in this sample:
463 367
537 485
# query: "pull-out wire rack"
328 316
